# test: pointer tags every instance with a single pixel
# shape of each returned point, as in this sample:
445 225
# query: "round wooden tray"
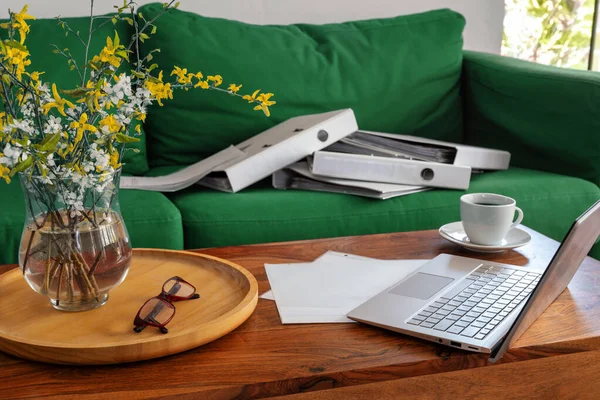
32 329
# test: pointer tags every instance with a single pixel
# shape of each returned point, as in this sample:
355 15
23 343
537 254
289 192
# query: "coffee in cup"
487 217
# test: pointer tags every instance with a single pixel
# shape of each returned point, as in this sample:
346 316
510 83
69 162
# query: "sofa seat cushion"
151 220
398 74
261 214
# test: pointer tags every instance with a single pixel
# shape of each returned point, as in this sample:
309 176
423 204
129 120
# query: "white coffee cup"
487 217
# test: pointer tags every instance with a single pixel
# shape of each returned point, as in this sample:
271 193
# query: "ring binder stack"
339 158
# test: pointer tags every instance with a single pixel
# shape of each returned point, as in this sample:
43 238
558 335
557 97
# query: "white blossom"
88 166
123 119
127 109
124 84
53 125
120 90
24 126
99 155
11 155
46 180
28 109
50 160
74 200
103 113
143 96
73 112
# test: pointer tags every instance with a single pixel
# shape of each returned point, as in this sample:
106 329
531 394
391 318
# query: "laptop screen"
569 256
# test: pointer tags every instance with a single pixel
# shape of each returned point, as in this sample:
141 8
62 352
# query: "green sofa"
405 75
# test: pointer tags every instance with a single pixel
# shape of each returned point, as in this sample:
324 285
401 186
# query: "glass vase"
75 247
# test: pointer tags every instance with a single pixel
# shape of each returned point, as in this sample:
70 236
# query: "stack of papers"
298 176
361 142
326 289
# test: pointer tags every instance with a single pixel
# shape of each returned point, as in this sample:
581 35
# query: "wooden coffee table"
263 358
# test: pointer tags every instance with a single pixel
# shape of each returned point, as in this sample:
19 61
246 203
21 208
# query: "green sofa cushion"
45 32
261 214
399 75
547 117
151 220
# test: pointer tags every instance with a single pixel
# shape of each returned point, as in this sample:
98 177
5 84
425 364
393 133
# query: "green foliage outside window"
554 32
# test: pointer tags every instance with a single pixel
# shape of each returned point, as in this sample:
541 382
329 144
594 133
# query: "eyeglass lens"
157 311
178 288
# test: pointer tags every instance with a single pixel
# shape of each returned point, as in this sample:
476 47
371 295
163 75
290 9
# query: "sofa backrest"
400 75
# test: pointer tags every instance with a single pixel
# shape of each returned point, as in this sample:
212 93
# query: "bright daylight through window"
554 32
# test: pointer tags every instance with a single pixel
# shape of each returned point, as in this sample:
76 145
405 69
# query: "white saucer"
455 233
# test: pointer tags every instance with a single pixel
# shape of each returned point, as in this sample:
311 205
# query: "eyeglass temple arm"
142 327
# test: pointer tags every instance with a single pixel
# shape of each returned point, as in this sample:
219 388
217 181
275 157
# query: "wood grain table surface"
264 358
572 376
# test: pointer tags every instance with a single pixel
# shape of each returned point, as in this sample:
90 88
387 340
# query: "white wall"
483 31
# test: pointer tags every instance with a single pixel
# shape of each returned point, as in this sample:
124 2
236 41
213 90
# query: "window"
554 32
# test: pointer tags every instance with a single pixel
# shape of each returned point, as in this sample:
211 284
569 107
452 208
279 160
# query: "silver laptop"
476 305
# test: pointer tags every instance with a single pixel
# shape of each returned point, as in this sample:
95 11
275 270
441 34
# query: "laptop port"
454 344
473 348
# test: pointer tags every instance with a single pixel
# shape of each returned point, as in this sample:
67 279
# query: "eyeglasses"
159 310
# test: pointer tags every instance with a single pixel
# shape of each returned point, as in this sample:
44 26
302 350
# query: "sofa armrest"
548 118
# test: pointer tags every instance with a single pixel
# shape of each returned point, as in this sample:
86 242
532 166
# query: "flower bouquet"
67 145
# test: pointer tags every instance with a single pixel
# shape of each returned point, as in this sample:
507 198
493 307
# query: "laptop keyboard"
475 306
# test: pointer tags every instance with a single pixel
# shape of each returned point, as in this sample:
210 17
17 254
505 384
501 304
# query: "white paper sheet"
268 295
325 290
325 257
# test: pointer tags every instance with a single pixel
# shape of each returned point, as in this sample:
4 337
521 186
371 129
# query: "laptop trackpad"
421 286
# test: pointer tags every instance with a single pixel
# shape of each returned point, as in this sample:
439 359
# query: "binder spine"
291 150
389 170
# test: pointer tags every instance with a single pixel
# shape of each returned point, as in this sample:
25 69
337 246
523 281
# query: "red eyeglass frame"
167 300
